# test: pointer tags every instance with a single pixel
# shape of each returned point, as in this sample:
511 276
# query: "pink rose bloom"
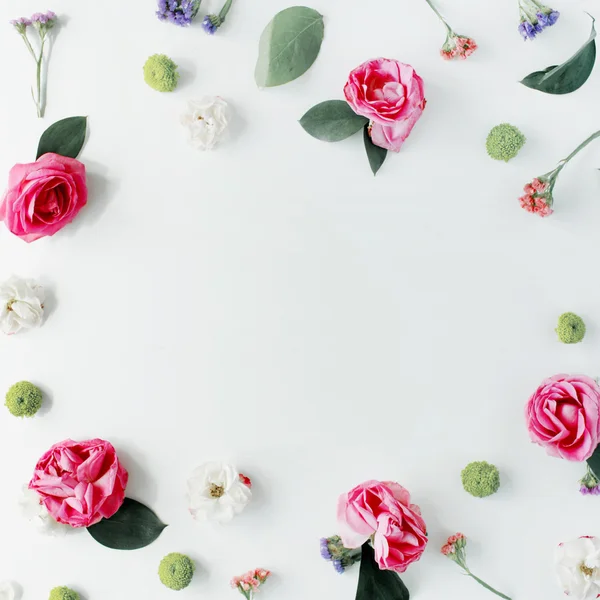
383 510
43 196
391 95
563 415
80 483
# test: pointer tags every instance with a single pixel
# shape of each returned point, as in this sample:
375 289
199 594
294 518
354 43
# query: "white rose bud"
21 305
206 121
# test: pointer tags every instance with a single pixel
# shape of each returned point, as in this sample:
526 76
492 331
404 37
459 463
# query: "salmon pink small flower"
447 549
249 583
455 46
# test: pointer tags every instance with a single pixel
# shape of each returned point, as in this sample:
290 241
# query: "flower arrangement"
21 305
455 550
535 17
249 583
42 24
455 46
539 193
44 196
217 492
377 521
385 98
82 485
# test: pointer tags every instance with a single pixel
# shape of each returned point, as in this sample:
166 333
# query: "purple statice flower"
589 484
178 12
325 549
43 18
527 30
547 19
338 566
23 21
210 24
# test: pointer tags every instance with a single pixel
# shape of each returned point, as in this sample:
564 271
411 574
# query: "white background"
273 304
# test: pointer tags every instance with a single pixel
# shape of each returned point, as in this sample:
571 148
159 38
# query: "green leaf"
133 526
332 121
375 154
65 137
594 462
568 77
289 46
377 584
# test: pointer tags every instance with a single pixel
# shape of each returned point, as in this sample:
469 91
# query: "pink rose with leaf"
391 95
382 512
80 483
563 416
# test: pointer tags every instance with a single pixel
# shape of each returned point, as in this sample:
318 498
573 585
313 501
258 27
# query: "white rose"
7 591
21 305
217 493
206 120
35 512
577 564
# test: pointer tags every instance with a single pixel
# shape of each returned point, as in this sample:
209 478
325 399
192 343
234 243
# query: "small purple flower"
178 12
325 549
527 30
553 17
209 24
338 566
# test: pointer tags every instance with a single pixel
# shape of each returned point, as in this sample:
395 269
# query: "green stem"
581 146
437 12
29 47
223 12
486 586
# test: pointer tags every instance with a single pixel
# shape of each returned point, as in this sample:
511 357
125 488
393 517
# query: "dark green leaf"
133 526
594 462
568 77
377 584
332 121
375 154
289 46
65 137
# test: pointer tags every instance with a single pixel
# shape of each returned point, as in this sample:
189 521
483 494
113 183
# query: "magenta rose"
563 415
80 483
43 196
382 511
391 95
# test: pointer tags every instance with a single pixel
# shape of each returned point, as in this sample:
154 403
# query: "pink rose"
391 95
383 510
80 483
43 196
563 415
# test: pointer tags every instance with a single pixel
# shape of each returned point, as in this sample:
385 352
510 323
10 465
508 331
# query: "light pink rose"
43 196
391 95
80 483
382 510
563 415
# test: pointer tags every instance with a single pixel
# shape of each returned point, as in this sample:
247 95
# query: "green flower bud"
160 73
571 328
63 593
176 570
504 142
23 399
480 479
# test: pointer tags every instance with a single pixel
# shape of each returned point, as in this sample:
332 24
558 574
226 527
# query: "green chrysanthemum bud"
23 399
480 479
63 593
160 73
176 570
504 142
571 328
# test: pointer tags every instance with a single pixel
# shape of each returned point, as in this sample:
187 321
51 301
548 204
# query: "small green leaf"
133 526
332 121
571 75
289 46
375 583
65 137
375 154
594 462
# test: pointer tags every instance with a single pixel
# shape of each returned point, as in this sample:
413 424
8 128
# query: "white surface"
273 304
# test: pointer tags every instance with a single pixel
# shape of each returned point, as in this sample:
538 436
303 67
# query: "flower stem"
437 12
486 586
581 146
223 12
